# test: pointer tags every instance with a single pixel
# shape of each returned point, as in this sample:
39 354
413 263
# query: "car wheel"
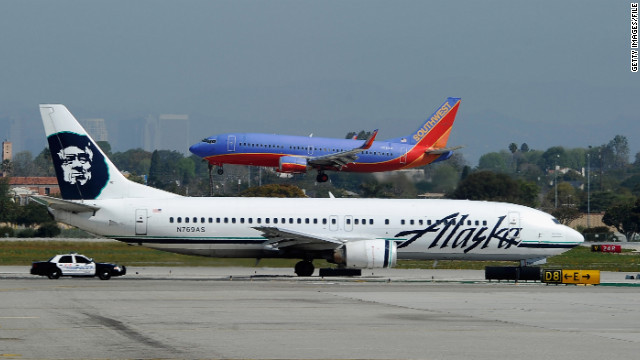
104 275
54 274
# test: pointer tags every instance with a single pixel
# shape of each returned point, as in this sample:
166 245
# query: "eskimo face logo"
80 166
76 164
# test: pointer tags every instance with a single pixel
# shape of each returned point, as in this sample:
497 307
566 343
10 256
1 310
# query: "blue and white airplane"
297 154
352 233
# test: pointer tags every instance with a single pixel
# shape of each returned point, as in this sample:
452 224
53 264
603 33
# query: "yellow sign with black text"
582 277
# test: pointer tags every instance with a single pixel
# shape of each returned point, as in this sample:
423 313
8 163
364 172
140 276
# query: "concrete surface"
245 313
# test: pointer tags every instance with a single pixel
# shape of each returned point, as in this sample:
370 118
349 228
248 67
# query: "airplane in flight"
297 154
352 233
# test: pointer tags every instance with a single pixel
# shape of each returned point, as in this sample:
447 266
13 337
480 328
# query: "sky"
544 73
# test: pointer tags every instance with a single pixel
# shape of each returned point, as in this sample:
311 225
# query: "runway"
243 313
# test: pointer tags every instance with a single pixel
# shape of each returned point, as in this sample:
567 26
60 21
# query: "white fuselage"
423 229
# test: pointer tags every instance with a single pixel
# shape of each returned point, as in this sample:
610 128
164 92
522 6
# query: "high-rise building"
96 128
167 132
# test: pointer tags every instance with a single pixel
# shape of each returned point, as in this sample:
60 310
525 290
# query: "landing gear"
304 268
322 177
220 170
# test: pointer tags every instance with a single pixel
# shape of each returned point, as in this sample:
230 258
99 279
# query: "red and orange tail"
434 133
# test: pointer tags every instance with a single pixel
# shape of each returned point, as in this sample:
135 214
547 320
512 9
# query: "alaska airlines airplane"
296 154
352 233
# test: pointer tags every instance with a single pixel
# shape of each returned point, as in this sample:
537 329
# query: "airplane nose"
198 149
573 236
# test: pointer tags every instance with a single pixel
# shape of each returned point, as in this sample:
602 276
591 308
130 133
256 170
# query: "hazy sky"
542 72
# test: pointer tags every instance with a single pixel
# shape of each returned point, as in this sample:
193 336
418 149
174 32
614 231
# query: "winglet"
367 144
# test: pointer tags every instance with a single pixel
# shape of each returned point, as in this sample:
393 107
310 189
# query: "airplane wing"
432 151
283 238
59 204
340 159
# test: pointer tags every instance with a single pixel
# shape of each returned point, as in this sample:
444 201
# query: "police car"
75 265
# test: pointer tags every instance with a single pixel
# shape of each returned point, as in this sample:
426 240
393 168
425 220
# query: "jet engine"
367 254
292 165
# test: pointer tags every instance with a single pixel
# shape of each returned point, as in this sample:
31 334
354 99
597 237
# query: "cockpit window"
209 141
556 221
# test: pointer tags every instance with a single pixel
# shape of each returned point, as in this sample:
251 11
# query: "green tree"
8 209
624 217
49 229
32 214
495 162
274 190
487 185
566 214
7 167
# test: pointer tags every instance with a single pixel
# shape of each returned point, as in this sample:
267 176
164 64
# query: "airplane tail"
434 133
84 172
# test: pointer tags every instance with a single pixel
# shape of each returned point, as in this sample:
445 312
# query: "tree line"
561 181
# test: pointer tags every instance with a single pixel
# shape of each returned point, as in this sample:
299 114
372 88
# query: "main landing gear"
304 268
322 177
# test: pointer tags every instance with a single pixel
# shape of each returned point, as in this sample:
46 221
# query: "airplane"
352 233
297 154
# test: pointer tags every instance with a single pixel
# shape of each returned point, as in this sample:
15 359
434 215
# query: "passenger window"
386 221
266 220
218 220
290 220
356 222
259 220
315 221
202 220
250 220
484 222
324 221
233 220
420 222
186 220
241 220
333 221
226 220
171 219
402 222
210 220
348 221
275 220
411 222
179 220
195 220
306 221
370 221
66 260
299 221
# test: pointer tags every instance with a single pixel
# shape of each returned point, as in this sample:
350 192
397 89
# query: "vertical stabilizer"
84 172
435 131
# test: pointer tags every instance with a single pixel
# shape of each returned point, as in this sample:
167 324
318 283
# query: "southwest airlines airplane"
296 154
352 233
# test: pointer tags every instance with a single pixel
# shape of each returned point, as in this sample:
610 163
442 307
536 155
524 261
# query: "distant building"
23 187
7 150
167 132
96 128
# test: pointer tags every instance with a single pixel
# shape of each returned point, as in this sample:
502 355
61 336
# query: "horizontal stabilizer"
441 150
59 204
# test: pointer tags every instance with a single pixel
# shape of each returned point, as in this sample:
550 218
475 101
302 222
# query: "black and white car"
76 265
